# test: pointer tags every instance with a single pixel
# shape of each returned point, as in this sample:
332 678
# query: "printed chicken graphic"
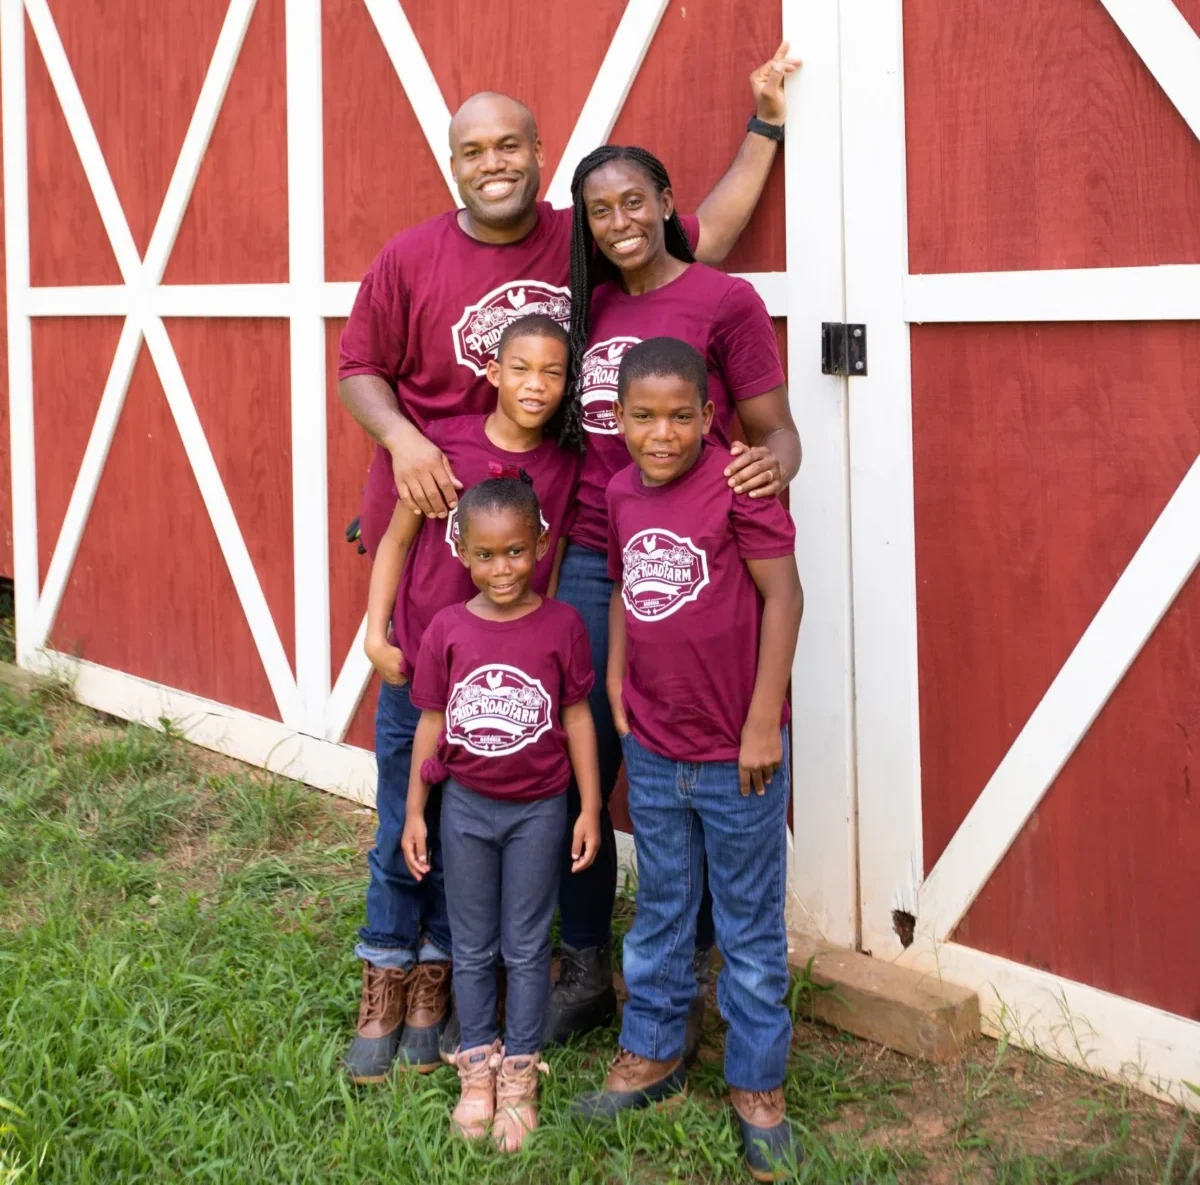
517 299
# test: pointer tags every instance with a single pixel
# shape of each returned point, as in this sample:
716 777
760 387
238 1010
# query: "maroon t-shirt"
503 685
692 609
434 576
722 316
430 312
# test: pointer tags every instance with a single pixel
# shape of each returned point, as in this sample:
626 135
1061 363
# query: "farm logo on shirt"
495 710
662 572
452 529
478 330
599 383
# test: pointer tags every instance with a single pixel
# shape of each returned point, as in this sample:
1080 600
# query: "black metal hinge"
843 349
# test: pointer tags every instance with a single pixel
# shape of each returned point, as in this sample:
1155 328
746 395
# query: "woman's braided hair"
589 266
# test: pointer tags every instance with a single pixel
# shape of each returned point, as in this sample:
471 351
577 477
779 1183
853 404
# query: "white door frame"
1106 1033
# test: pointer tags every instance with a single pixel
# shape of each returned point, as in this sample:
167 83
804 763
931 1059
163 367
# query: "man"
426 319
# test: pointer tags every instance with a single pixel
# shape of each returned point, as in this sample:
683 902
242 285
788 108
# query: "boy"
704 618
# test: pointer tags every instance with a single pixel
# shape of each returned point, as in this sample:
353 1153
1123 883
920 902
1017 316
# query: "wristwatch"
772 131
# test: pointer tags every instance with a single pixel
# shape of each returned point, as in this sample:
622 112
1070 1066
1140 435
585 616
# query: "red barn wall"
1042 455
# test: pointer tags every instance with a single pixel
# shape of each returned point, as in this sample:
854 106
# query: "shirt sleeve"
616 567
744 345
375 336
430 690
578 675
762 528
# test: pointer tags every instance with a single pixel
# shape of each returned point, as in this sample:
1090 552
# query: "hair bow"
495 469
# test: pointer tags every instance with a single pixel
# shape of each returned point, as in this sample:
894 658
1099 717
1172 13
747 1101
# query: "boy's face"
529 379
501 548
664 423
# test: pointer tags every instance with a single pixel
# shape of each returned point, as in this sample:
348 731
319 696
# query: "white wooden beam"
824 858
87 481
1166 293
424 94
195 142
600 111
1121 1039
229 536
84 136
1144 592
1168 45
306 271
340 769
348 690
20 343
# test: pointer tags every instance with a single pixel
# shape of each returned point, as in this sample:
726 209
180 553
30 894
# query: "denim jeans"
586 899
502 877
406 919
681 811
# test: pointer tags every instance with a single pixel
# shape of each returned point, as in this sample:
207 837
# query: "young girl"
406 944
502 683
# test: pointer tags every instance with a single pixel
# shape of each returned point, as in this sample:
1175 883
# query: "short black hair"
509 492
532 325
663 357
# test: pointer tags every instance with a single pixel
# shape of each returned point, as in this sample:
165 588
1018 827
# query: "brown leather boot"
632 1082
773 1150
425 1017
472 1117
381 1012
516 1100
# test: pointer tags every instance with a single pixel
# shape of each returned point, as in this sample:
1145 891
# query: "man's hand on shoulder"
424 480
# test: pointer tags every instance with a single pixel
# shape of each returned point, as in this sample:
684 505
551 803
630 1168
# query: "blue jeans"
586 899
681 811
502 870
406 919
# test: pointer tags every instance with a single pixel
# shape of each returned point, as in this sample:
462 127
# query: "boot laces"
571 969
380 985
426 988
512 1083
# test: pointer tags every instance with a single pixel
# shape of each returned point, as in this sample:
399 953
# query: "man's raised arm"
725 211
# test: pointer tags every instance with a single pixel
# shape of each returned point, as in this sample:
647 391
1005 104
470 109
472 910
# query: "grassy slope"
176 987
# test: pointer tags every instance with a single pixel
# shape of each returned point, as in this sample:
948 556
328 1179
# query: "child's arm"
783 605
381 599
615 680
560 550
413 843
585 762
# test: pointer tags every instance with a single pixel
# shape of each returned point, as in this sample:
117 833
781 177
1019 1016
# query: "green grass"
177 987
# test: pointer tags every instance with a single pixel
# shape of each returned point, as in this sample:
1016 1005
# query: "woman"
634 276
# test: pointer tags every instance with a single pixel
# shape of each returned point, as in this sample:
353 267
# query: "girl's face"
626 214
529 379
501 547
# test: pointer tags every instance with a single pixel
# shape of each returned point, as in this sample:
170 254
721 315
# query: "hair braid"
588 266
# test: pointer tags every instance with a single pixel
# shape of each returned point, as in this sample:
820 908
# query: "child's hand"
388 660
414 846
620 723
760 755
585 840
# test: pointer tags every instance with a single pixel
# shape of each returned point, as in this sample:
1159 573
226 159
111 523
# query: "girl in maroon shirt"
502 683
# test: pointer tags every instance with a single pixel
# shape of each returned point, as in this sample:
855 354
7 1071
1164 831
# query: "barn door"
1020 187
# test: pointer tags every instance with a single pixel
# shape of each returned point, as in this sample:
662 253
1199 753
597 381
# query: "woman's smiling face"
626 214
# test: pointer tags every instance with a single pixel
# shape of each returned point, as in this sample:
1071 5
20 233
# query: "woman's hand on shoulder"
754 470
